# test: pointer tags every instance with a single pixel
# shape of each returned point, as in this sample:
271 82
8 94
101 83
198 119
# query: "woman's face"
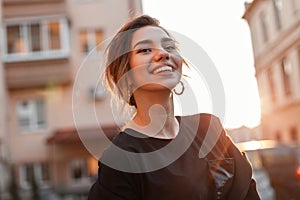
154 60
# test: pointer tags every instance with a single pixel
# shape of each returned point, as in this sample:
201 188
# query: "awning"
70 135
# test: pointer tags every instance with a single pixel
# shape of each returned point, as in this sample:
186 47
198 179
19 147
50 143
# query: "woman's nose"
161 54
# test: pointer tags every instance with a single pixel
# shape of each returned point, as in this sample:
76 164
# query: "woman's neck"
155 115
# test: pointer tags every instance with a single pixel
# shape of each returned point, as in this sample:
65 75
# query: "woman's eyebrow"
142 42
166 39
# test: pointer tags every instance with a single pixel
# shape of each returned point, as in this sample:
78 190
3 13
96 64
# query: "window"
79 170
14 39
286 69
294 5
53 35
255 159
271 85
277 5
92 166
278 157
28 173
278 136
293 134
36 39
84 45
263 22
31 115
89 39
298 64
38 171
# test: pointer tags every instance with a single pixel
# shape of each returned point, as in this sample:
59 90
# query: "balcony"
36 51
24 8
38 38
7 2
41 73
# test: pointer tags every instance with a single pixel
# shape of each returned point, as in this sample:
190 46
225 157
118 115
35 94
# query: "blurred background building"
275 33
44 43
244 133
3 119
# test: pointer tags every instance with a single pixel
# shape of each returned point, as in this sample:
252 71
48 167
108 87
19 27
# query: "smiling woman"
158 155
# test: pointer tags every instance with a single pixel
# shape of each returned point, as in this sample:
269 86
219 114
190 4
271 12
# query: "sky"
218 28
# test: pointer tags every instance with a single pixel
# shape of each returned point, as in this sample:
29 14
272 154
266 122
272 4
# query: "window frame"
271 84
45 52
277 7
37 170
32 115
83 164
286 73
264 26
294 6
91 39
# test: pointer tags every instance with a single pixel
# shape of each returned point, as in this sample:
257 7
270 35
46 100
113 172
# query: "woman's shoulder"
204 120
199 116
116 156
210 132
124 141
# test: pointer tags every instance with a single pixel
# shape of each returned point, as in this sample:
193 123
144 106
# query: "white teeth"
161 69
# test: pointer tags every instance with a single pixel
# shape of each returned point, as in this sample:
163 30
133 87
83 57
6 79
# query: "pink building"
45 44
275 32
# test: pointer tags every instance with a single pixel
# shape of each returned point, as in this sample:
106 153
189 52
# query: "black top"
198 164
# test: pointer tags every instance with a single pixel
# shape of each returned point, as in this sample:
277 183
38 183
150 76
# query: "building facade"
50 56
275 33
3 120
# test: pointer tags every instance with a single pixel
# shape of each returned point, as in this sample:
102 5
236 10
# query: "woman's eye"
169 48
145 50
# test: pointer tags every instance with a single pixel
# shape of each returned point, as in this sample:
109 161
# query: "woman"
158 155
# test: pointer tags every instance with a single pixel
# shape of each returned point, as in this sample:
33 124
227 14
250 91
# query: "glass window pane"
271 85
264 26
15 44
24 122
54 36
23 112
29 173
92 166
78 169
99 38
45 172
35 37
84 47
286 69
40 113
277 4
31 114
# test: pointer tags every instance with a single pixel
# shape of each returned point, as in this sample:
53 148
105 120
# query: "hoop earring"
130 98
182 89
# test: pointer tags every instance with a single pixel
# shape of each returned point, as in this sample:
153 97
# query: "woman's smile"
163 69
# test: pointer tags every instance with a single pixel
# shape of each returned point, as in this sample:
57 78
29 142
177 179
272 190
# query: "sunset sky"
218 28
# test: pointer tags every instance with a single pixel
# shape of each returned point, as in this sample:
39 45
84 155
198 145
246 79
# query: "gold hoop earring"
131 100
182 89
